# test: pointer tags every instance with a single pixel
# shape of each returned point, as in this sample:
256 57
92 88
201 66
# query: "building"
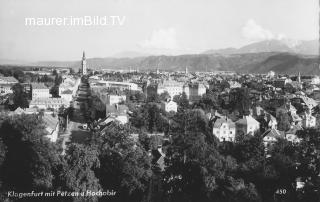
271 74
39 90
172 87
169 106
118 85
67 95
8 80
69 83
271 136
115 99
52 126
247 125
195 91
48 103
6 89
84 64
6 84
118 112
224 129
308 121
282 82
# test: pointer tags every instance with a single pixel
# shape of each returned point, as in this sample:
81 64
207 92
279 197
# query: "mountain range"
285 57
292 46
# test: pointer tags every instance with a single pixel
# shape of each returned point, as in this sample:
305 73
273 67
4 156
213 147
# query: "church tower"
84 64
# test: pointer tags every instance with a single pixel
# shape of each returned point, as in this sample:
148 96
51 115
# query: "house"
271 136
224 129
8 80
169 106
291 134
52 126
115 99
39 90
247 125
286 108
67 95
308 121
6 89
118 112
6 84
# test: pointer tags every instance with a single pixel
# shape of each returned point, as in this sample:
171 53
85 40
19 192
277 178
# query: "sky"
150 26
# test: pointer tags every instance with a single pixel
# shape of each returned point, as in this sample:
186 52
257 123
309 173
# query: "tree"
79 173
283 122
182 101
20 98
195 169
31 162
125 165
164 96
71 70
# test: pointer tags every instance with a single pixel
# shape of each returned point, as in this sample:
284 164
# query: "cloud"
161 39
255 32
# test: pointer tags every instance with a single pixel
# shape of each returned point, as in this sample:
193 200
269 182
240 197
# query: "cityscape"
224 125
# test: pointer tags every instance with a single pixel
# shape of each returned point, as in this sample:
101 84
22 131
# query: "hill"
284 63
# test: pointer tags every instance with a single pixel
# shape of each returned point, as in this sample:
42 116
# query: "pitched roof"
246 120
8 79
68 91
273 133
221 121
50 121
39 86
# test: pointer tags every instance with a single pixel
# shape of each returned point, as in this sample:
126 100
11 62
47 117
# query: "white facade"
308 121
115 99
45 103
120 85
40 91
169 106
224 129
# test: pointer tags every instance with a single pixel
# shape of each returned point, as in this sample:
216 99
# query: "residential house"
224 129
39 90
247 125
118 112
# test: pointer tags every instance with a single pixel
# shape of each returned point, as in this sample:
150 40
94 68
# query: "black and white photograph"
159 100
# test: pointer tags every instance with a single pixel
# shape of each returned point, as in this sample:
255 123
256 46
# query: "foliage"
125 165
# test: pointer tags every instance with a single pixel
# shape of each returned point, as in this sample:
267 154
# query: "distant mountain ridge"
291 46
280 62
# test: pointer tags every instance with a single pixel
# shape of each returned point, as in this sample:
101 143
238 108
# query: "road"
75 132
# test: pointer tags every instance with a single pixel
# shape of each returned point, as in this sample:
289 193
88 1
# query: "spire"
299 78
84 55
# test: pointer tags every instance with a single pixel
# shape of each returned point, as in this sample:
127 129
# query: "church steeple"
84 64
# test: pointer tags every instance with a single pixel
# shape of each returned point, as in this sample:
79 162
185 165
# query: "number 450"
281 191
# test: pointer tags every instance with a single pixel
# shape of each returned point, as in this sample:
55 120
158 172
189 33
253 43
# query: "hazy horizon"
150 27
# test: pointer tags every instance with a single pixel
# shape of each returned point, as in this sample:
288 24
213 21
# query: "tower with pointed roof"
84 64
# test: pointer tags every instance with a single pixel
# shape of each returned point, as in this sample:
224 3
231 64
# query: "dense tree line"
197 166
